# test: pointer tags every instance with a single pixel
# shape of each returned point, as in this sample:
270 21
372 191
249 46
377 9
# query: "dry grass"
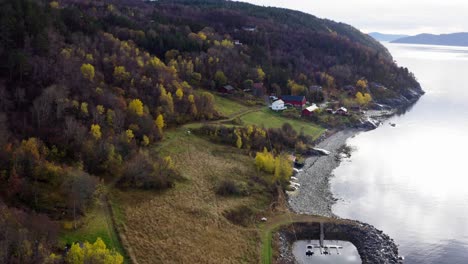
186 224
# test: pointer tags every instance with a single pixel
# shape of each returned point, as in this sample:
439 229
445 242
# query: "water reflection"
411 180
348 254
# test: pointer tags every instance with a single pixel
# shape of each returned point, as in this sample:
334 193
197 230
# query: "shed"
342 111
227 89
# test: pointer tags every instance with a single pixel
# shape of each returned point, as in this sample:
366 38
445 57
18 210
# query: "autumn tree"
136 106
96 131
265 161
54 4
283 168
179 93
96 253
87 70
121 74
159 122
220 78
260 74
361 84
363 99
296 89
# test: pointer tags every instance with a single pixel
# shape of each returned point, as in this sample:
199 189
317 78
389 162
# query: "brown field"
186 224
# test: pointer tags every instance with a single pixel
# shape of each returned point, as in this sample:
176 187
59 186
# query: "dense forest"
86 87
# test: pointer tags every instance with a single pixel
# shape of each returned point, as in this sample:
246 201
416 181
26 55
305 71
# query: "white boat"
321 151
294 184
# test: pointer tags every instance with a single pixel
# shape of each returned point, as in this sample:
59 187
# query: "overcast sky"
386 16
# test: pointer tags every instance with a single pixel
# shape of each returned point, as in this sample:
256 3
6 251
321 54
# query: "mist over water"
411 180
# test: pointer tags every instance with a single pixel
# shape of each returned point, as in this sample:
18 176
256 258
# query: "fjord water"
411 181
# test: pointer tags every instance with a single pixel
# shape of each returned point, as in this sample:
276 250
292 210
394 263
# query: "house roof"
278 102
228 87
293 98
312 108
343 109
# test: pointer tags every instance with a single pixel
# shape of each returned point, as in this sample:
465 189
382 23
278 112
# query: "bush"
148 172
232 188
242 215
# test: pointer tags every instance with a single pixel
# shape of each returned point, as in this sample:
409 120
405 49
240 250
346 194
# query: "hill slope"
386 37
455 39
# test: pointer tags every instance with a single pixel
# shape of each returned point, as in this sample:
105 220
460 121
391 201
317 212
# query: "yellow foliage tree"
361 84
121 74
227 44
136 106
110 116
260 74
179 93
363 99
283 168
166 100
75 255
100 109
159 122
296 89
327 80
96 253
96 131
129 134
201 36
191 99
367 98
146 140
54 4
84 108
265 161
87 70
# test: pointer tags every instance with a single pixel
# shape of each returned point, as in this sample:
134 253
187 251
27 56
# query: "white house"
278 105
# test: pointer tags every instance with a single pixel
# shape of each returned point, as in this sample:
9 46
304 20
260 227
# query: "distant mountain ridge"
454 39
386 37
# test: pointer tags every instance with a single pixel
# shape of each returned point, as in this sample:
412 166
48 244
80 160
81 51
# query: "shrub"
231 188
242 215
148 172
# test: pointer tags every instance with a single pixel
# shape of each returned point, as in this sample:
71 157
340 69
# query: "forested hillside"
86 87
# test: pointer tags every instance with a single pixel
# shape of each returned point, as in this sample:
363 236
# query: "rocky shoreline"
314 196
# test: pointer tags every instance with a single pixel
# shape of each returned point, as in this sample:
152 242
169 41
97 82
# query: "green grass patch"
270 119
228 107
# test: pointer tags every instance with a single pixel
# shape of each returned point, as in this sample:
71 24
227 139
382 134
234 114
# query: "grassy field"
228 107
187 224
97 223
270 119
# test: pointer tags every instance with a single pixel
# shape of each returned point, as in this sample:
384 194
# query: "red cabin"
309 110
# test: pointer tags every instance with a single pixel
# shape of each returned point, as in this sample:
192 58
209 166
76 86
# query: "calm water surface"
412 180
